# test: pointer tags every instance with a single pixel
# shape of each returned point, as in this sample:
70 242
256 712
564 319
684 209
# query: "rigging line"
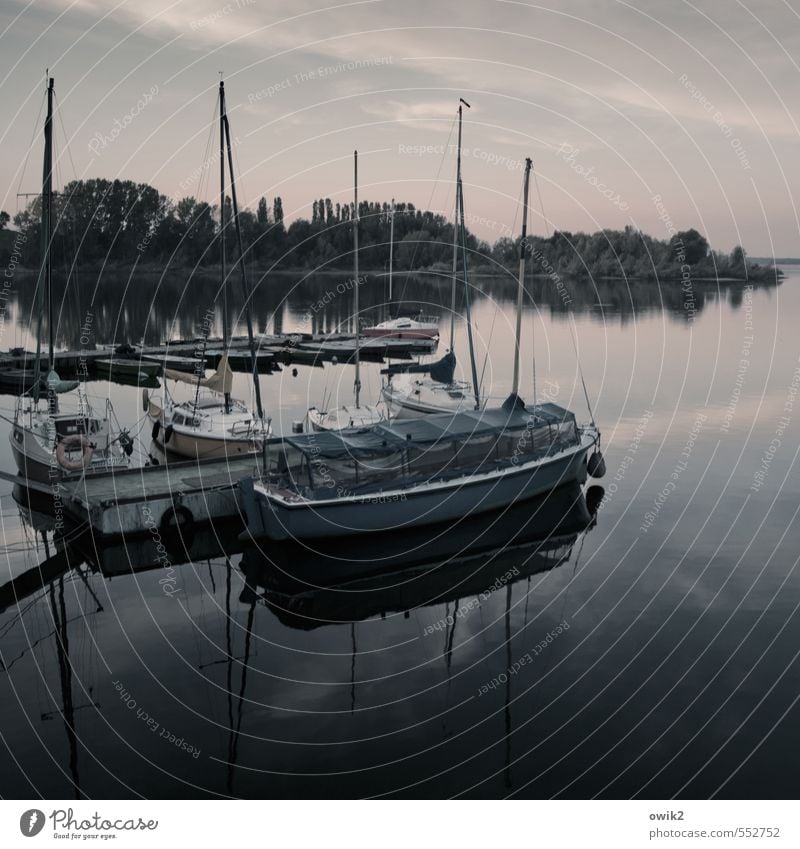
201 191
36 129
64 134
541 203
496 305
430 203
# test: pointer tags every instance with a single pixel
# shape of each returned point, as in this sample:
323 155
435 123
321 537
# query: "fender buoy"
156 429
176 518
145 400
77 440
596 465
167 433
177 529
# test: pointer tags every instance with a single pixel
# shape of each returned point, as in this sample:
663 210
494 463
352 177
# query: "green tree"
263 213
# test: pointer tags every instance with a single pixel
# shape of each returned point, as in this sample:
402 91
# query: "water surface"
649 651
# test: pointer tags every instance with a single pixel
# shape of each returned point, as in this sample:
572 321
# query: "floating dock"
272 351
159 498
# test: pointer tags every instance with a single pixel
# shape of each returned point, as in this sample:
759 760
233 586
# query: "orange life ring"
69 443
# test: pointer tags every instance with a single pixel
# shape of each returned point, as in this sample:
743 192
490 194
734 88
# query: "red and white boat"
422 327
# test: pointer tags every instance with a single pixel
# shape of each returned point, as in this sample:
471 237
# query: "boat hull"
415 333
37 464
343 417
127 368
406 405
274 515
192 444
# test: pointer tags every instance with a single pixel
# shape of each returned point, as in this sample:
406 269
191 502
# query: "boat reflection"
302 588
342 583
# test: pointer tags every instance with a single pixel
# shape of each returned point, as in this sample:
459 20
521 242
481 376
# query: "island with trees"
119 223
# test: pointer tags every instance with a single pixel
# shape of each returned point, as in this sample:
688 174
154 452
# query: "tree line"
119 223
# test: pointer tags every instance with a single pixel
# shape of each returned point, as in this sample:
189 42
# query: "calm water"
650 651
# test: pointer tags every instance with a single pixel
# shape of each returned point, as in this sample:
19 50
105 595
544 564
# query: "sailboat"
403 327
358 414
432 470
440 391
48 444
212 424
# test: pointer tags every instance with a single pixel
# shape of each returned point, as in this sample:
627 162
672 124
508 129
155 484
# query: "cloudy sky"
644 112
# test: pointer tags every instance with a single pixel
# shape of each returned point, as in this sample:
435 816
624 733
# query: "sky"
661 115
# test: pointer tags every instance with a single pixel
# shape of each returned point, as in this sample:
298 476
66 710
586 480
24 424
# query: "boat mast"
240 258
456 227
391 250
523 250
222 281
47 208
357 385
45 273
467 303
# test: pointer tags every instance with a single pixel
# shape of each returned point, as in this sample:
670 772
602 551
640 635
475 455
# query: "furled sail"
221 381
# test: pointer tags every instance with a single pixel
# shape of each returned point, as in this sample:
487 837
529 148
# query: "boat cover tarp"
221 381
426 430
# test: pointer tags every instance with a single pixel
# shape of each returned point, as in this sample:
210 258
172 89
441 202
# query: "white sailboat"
439 392
212 424
356 414
402 327
48 444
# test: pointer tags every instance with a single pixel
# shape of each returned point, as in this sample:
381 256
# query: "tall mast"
456 227
222 281
523 250
47 209
240 260
357 385
391 249
467 303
